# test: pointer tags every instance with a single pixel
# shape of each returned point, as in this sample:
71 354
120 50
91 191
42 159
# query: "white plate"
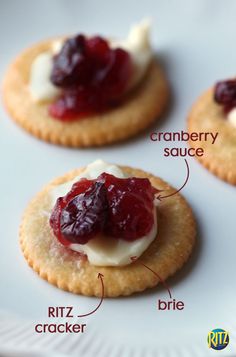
196 42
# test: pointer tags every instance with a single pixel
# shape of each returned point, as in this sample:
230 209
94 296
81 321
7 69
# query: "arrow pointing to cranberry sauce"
100 276
160 197
155 273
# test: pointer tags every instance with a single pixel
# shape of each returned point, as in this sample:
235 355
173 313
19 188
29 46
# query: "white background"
195 41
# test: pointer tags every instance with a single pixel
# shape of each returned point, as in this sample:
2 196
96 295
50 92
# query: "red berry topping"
225 94
120 208
92 75
85 215
130 207
55 220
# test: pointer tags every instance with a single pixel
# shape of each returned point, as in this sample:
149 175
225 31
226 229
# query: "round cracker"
67 270
220 157
136 112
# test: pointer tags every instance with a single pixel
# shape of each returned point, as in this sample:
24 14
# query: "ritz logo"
218 339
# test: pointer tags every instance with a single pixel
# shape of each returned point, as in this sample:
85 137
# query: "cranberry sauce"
119 208
225 94
92 75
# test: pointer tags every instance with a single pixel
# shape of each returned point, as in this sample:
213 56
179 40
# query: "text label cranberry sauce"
183 136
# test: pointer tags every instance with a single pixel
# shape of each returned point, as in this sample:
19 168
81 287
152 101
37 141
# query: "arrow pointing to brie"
157 275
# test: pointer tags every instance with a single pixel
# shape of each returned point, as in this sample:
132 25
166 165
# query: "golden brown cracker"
67 270
220 157
137 111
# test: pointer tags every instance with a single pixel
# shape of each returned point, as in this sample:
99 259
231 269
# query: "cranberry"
84 216
79 102
70 66
120 208
225 94
55 220
98 49
130 207
92 75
